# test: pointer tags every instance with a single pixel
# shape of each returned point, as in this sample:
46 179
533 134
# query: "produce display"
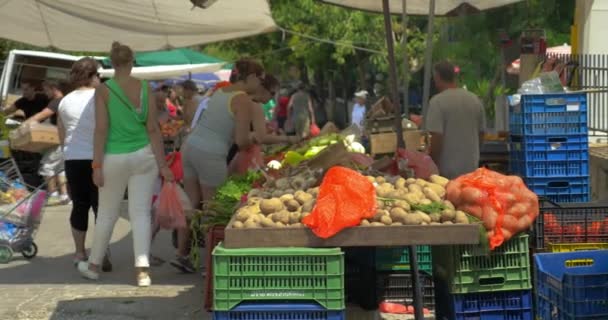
314 146
171 128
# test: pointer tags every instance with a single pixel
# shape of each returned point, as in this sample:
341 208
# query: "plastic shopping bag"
314 130
174 161
345 198
245 160
171 206
421 163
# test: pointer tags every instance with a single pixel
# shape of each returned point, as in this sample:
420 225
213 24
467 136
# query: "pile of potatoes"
284 211
287 186
398 198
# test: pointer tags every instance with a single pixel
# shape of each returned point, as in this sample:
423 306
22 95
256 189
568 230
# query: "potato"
282 183
448 222
426 202
282 216
288 196
400 183
423 216
298 192
267 223
435 217
380 204
412 219
448 215
277 193
296 225
253 200
289 191
439 180
377 224
412 198
371 179
415 188
448 204
304 214
439 190
431 195
243 214
387 186
397 224
280 225
461 218
421 182
379 214
266 195
254 193
409 181
250 224
298 183
268 206
365 222
386 220
383 192
402 204
292 205
303 197
314 191
398 214
380 180
294 217
435 223
238 225
308 206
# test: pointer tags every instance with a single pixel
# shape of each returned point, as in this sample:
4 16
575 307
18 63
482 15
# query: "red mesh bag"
503 203
174 161
345 198
170 211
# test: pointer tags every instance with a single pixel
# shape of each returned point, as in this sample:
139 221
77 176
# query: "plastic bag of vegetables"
503 203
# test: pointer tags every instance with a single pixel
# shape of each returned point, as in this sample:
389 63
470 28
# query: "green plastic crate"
293 274
398 259
472 268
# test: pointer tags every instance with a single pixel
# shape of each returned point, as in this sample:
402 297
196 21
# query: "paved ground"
49 287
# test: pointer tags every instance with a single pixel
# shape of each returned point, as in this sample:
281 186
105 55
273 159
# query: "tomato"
574 233
594 231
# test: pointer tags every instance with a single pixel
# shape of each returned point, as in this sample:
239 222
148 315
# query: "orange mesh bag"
503 203
170 211
345 198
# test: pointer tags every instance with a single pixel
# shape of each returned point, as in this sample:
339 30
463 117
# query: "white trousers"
138 171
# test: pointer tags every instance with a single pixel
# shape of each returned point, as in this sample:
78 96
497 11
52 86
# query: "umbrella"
92 25
413 7
171 57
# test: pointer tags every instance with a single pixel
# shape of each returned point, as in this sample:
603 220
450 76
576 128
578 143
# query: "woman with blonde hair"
128 152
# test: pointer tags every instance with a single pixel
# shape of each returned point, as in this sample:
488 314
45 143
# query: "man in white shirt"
357 116
456 121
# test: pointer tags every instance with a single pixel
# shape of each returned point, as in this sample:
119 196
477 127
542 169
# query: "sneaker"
183 264
78 260
143 279
83 268
156 261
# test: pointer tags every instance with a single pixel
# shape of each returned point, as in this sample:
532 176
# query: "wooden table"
386 236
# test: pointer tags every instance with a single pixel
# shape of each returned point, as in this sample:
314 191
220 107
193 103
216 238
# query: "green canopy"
170 57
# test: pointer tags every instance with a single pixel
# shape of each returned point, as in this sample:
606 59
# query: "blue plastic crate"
279 311
501 305
559 189
568 197
539 169
544 114
572 285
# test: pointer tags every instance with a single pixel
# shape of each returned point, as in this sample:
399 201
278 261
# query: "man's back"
459 116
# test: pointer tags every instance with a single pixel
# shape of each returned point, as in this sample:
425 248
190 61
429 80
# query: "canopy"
170 57
421 7
145 25
166 72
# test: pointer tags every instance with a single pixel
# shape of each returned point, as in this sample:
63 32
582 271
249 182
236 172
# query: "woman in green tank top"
128 151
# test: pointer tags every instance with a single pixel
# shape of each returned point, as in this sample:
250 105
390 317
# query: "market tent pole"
428 60
392 72
406 62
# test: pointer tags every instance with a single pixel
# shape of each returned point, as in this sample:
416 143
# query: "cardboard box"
386 142
34 138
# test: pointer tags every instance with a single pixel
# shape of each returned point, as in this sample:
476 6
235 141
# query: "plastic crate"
262 274
572 285
473 268
542 114
501 305
215 235
570 223
550 148
555 186
279 311
571 247
390 259
396 287
534 169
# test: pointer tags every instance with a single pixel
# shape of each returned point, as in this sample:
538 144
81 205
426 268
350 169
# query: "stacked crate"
376 275
572 285
278 283
549 145
569 227
473 283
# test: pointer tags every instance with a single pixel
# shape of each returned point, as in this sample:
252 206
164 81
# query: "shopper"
300 107
127 152
228 118
456 121
51 164
357 115
281 110
191 100
29 104
76 123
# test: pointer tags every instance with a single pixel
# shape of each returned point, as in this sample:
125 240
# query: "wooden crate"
386 142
